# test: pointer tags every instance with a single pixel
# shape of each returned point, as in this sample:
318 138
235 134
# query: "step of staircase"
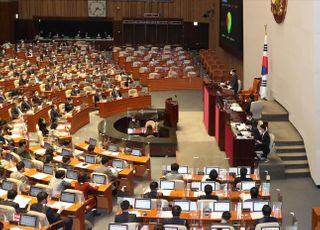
275 117
289 143
294 173
292 156
290 149
296 164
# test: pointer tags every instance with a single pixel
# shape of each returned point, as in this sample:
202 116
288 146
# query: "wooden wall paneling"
117 32
7 13
151 30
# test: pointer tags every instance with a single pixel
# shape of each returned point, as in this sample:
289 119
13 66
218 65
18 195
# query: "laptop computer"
99 179
28 221
68 197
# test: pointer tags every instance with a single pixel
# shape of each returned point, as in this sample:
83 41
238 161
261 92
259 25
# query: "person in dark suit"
208 195
75 91
153 194
15 111
125 216
23 80
234 81
2 96
248 105
68 106
213 176
43 126
98 97
54 114
264 144
242 177
267 218
52 216
25 105
255 131
36 98
48 86
22 150
116 93
9 201
176 210
254 193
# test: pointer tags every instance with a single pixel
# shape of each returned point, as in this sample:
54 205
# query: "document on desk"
3 192
22 201
82 165
79 152
187 176
256 215
166 192
59 205
216 215
13 169
39 176
40 151
58 158
108 153
245 196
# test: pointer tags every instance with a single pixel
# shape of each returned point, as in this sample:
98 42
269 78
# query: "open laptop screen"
184 205
28 221
167 185
92 141
142 203
99 179
72 174
68 197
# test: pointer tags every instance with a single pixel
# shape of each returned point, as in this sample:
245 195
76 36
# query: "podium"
171 113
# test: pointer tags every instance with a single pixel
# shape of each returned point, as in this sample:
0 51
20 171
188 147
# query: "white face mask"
230 72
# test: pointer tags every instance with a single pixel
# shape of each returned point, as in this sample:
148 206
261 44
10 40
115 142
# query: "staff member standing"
234 81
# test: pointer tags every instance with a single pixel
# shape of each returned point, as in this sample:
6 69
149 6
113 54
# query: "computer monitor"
118 227
46 145
28 221
117 164
27 163
66 152
195 185
68 197
212 183
9 157
92 142
233 170
247 185
90 159
48 169
183 169
72 174
221 206
193 206
247 205
184 205
34 190
113 148
141 203
247 167
208 169
258 205
167 185
136 152
7 185
99 179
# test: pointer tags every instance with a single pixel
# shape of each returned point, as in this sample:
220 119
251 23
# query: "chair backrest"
214 227
7 212
46 187
265 226
42 218
49 114
42 87
37 164
61 108
7 94
179 184
179 227
68 93
40 137
150 122
87 89
256 109
16 156
18 183
133 226
79 195
239 85
154 202
37 127
133 92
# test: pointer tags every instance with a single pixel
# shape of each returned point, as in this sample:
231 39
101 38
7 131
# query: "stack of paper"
59 205
40 151
39 176
58 158
22 201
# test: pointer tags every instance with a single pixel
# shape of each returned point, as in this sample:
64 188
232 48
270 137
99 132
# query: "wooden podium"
171 113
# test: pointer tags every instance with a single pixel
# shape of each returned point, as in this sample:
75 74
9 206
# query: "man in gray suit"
105 169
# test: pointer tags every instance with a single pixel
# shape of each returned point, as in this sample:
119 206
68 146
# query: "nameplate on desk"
138 214
13 169
199 193
216 215
3 192
78 152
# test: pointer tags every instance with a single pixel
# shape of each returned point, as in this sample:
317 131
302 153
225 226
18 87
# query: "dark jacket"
266 219
234 83
25 106
116 93
209 197
265 139
151 195
240 179
15 112
54 115
125 217
52 216
75 92
68 107
11 204
36 100
2 98
176 220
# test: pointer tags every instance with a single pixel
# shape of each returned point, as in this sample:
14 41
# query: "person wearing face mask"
263 144
52 216
234 81
116 93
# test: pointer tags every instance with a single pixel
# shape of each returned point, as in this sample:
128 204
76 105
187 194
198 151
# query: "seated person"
2 96
52 215
58 183
68 106
255 131
116 94
22 150
153 194
25 105
48 86
15 111
24 187
254 193
213 176
9 201
176 210
174 175
75 91
99 97
149 132
125 216
90 150
134 124
60 84
225 218
36 98
249 119
106 169
208 195
54 114
266 211
242 177
43 127
264 144
66 160
23 80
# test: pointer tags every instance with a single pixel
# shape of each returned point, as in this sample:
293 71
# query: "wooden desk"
209 103
32 118
165 84
79 119
4 111
110 108
230 179
315 219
